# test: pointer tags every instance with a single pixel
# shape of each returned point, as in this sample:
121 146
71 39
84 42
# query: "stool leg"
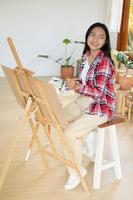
129 110
115 151
123 106
98 158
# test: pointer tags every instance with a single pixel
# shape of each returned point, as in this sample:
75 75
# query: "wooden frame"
123 34
37 98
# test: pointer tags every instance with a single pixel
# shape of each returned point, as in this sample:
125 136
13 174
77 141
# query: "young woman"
96 103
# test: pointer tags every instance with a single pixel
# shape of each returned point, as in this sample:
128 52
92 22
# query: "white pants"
81 124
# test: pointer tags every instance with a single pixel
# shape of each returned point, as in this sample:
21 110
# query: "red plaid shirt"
100 83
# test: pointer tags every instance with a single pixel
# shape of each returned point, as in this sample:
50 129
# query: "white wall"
39 26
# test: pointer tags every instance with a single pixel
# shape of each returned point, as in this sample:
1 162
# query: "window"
130 28
123 41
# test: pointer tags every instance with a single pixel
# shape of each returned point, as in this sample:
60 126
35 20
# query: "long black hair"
106 48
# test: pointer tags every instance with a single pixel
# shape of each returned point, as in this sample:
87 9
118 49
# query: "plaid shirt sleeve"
96 82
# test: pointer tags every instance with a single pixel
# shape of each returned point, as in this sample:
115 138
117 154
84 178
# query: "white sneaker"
74 180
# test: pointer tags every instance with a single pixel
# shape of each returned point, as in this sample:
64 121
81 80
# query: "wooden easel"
18 80
20 69
41 108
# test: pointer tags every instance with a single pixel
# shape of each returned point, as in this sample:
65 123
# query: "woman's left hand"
72 84
77 86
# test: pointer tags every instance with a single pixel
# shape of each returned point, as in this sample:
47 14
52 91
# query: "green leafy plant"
124 58
130 41
66 60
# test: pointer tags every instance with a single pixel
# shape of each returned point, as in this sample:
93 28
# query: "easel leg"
48 135
34 130
10 155
74 164
30 147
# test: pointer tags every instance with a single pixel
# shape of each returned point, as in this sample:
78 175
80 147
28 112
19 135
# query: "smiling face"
96 39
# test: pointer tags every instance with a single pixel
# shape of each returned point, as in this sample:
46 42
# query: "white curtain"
114 15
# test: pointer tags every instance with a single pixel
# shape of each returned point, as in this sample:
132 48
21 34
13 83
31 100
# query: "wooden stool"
99 166
130 99
120 94
127 102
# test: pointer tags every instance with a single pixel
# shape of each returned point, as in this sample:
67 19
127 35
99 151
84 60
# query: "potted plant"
119 69
66 65
125 79
67 70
